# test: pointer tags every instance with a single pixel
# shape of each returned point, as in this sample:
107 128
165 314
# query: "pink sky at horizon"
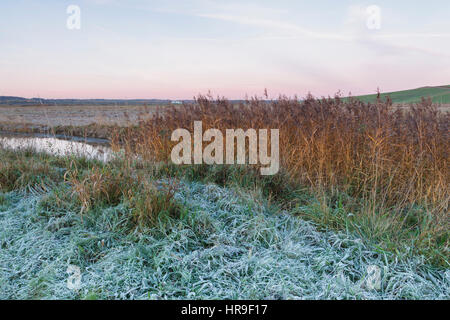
190 94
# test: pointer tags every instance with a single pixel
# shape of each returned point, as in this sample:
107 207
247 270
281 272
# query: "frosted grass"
57 147
227 247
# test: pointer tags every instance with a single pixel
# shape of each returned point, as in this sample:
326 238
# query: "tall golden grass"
367 150
387 157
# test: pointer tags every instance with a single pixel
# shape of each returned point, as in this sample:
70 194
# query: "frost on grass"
226 247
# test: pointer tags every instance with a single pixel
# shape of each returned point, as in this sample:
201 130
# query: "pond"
90 148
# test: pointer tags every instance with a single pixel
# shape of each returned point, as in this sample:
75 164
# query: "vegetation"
375 169
440 94
228 245
372 178
25 169
112 185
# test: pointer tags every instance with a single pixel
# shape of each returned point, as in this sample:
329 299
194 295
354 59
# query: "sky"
235 48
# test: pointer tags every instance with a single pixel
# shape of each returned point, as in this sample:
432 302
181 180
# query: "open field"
43 117
85 121
51 116
439 94
360 185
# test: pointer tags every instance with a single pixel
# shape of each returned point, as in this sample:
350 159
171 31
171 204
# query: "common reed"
374 151
382 163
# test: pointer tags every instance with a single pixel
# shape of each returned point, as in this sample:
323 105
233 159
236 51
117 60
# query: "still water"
89 148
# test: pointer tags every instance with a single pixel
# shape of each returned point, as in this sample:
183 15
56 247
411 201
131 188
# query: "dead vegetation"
384 167
369 168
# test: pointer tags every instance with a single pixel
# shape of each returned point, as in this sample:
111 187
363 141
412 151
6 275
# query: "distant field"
15 117
51 116
439 94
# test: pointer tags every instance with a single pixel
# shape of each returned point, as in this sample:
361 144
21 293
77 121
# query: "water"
59 147
88 140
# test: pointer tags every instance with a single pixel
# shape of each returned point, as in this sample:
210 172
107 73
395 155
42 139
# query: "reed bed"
387 166
368 168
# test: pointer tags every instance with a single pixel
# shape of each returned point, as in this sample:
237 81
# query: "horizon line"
246 96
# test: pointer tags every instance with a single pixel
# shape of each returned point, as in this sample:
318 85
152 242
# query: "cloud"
100 2
274 24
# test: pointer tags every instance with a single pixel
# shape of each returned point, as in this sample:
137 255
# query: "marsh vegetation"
359 184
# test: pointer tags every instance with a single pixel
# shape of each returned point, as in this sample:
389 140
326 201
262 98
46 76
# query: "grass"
19 171
226 246
366 150
111 185
372 168
439 94
359 185
26 168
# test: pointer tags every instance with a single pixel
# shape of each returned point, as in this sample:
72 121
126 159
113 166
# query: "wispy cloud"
274 24
359 35
175 49
295 29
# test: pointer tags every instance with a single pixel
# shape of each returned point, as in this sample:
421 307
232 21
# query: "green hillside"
439 94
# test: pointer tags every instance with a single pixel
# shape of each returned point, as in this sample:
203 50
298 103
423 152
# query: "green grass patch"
25 168
437 94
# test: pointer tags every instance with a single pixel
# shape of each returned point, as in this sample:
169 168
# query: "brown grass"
372 151
20 171
389 161
112 184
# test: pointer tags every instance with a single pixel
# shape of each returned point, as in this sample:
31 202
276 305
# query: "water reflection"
57 147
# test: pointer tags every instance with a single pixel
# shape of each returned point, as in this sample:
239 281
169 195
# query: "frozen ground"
227 246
